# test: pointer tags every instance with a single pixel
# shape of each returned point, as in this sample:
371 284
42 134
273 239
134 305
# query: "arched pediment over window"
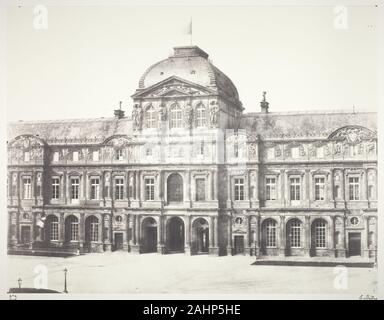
352 134
26 141
117 141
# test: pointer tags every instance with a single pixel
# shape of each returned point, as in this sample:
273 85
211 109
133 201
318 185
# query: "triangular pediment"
172 87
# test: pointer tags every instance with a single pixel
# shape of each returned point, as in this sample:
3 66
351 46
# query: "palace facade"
190 172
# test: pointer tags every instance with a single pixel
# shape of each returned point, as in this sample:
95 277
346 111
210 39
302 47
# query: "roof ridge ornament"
264 104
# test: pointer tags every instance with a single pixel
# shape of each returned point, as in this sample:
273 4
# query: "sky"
91 57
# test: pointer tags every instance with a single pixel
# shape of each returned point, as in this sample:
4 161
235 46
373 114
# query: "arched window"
270 229
320 234
200 116
295 233
176 117
175 188
150 118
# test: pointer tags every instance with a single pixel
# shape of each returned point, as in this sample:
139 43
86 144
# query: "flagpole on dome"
190 30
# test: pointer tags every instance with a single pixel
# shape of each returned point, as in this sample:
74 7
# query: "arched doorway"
175 235
149 232
71 228
318 237
175 188
268 236
294 237
200 240
91 230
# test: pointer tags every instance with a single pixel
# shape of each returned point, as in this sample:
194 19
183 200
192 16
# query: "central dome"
190 63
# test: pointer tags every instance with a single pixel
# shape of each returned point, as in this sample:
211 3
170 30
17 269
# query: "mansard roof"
288 125
72 131
305 125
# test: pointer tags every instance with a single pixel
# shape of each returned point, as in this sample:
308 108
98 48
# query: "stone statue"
137 115
214 110
163 112
188 115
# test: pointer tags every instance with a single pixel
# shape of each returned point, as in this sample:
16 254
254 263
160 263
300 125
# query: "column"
364 238
247 235
32 230
282 235
82 232
344 186
214 196
229 226
256 241
61 229
331 236
63 186
229 191
213 236
365 181
330 193
211 232
18 226
160 242
308 187
307 238
282 189
187 248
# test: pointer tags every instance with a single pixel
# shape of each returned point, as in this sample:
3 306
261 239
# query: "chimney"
118 112
264 104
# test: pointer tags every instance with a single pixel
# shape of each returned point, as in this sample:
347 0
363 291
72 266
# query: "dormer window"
56 156
119 154
27 156
95 155
75 156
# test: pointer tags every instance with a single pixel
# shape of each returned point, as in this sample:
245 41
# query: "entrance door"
239 244
354 244
25 234
151 239
202 240
176 235
119 241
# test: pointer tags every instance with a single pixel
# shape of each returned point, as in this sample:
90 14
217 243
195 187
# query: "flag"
188 28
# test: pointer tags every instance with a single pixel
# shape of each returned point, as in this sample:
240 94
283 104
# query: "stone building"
190 172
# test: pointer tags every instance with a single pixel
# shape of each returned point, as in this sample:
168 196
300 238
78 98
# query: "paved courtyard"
119 272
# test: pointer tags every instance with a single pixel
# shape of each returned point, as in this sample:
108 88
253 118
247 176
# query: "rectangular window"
119 154
119 189
75 156
55 188
200 189
319 188
95 188
26 156
239 189
95 155
271 188
75 188
150 189
27 188
56 156
354 192
295 189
